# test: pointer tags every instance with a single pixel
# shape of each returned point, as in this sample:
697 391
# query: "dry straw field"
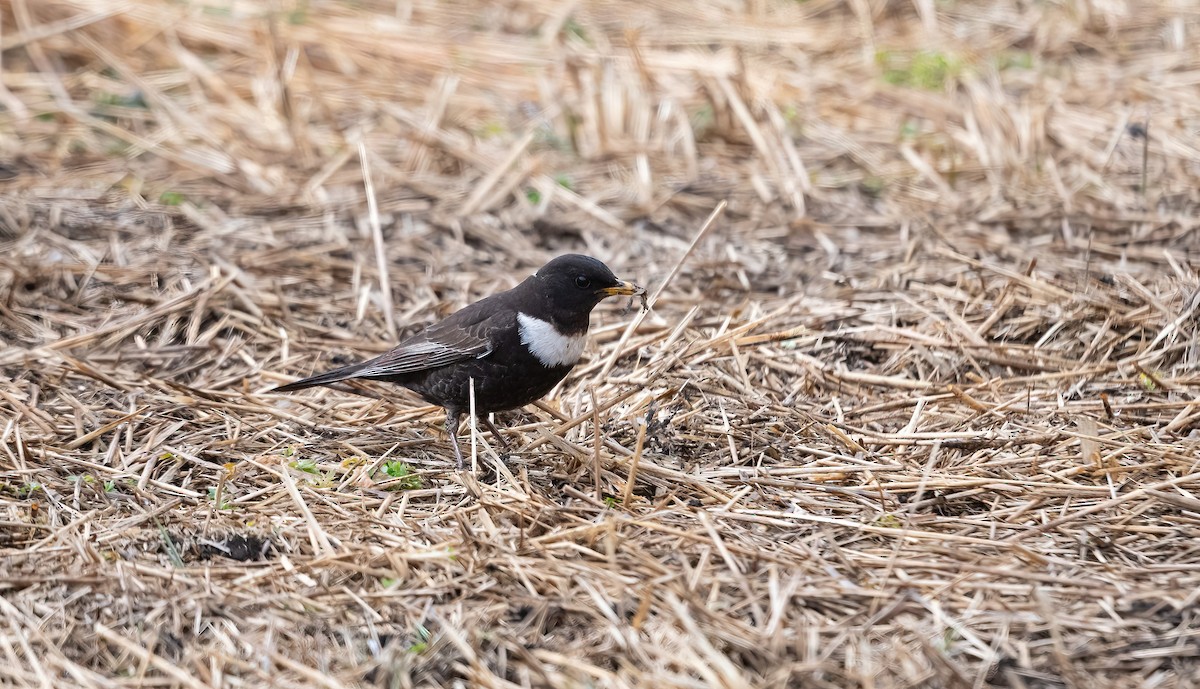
919 409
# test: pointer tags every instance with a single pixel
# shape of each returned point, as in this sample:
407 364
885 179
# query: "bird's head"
573 284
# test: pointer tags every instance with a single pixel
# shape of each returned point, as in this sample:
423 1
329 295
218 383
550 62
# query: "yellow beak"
625 289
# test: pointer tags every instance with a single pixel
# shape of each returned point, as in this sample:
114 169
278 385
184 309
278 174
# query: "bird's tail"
337 374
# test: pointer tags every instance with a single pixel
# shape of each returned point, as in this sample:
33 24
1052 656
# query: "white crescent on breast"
547 345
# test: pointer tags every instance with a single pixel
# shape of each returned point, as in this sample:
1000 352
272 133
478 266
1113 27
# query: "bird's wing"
451 341
471 333
423 352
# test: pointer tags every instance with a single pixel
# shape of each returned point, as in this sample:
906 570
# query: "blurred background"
595 120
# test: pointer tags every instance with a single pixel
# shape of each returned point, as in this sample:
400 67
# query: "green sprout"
573 29
171 198
225 503
889 521
924 69
308 466
409 480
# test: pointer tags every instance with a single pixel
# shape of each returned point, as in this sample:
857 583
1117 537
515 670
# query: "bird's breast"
549 346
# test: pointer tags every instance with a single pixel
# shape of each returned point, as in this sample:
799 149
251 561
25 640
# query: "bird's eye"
582 282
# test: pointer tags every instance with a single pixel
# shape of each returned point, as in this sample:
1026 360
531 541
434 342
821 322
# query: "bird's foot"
452 429
505 450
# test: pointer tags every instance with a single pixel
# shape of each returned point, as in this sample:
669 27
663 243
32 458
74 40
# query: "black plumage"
514 347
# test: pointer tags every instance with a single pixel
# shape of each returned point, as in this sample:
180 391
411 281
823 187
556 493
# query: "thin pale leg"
495 433
452 417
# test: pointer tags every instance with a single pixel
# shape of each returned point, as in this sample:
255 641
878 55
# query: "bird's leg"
452 416
495 433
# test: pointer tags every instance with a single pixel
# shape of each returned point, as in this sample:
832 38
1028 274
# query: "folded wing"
426 351
451 341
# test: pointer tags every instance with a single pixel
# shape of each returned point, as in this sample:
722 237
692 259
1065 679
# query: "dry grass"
921 410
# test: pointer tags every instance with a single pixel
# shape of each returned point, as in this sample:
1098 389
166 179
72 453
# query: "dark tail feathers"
337 374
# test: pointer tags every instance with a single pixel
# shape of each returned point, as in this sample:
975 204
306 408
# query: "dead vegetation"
921 410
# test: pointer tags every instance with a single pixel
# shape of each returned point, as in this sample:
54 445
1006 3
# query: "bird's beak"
625 289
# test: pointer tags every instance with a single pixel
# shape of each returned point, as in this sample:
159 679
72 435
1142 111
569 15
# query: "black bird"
513 346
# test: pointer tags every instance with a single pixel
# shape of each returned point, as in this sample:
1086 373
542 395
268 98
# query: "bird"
513 347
